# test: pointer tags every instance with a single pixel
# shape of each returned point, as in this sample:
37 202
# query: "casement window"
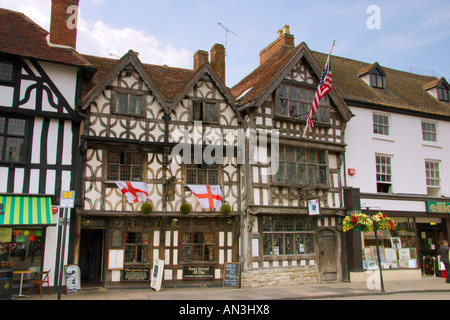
295 102
204 174
12 139
433 177
300 166
124 166
136 249
443 93
197 247
128 104
205 112
287 235
6 72
377 78
384 174
429 131
381 124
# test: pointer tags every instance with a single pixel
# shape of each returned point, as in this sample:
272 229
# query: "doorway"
430 240
327 255
91 256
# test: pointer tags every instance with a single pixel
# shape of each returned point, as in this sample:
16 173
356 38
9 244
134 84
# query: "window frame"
203 167
131 165
115 108
207 248
4 136
384 177
303 102
199 111
436 177
429 133
136 246
301 160
299 230
379 128
443 93
13 72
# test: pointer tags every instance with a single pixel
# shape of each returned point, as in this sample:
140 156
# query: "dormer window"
443 93
377 79
374 76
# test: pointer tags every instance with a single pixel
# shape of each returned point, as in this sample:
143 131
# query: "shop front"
25 227
121 251
407 252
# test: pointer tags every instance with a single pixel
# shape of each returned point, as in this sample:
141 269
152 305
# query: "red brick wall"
60 33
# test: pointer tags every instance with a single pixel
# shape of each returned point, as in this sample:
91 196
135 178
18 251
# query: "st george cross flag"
325 85
209 197
134 191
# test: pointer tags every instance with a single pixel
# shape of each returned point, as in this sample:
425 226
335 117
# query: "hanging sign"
313 207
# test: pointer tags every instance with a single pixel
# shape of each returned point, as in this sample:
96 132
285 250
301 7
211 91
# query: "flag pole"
310 112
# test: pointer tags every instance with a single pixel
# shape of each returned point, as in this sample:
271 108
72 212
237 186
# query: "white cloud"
103 40
99 39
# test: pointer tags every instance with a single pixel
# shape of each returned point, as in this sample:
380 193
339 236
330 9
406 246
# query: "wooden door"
327 255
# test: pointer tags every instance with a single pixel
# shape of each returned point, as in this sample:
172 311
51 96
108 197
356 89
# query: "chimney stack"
200 58
63 24
284 43
218 60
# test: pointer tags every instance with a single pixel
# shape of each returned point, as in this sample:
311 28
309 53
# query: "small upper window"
381 124
205 111
130 104
6 72
443 94
429 131
377 79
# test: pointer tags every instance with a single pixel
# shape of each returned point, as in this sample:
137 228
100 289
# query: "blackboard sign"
72 276
231 275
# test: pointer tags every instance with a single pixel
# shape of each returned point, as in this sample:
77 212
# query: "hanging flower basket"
225 209
384 223
146 208
357 222
185 208
362 222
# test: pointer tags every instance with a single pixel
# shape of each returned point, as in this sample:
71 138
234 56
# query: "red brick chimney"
218 60
200 58
284 43
63 24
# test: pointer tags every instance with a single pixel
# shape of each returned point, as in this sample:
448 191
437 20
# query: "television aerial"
227 31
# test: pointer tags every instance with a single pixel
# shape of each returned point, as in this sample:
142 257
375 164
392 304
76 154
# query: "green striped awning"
25 210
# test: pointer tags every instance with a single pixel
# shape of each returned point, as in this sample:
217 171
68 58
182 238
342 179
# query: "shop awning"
25 210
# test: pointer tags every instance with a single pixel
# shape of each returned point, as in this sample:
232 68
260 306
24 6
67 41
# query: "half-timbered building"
157 125
284 241
39 131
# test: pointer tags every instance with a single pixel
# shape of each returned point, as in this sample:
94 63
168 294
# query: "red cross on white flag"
134 191
209 197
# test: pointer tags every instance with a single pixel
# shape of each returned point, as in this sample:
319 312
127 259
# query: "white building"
398 157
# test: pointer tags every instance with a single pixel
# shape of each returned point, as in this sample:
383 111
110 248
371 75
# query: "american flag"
325 85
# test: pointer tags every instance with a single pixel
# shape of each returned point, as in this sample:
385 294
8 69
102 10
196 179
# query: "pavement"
307 291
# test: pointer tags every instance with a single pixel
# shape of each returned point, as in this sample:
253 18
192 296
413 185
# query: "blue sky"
414 35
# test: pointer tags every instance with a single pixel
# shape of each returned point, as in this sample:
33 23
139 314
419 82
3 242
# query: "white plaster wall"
404 144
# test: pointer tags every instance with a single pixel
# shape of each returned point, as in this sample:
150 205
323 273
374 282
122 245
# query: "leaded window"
287 235
12 139
197 247
125 166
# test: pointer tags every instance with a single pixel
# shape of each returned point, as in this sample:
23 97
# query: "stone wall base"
289 276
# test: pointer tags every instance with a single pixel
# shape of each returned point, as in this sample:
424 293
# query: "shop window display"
397 247
22 248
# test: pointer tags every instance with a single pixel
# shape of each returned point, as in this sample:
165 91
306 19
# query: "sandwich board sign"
157 274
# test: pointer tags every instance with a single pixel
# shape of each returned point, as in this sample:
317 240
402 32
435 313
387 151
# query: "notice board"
115 259
231 274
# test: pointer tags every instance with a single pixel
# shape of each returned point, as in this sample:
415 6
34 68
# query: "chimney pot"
63 24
